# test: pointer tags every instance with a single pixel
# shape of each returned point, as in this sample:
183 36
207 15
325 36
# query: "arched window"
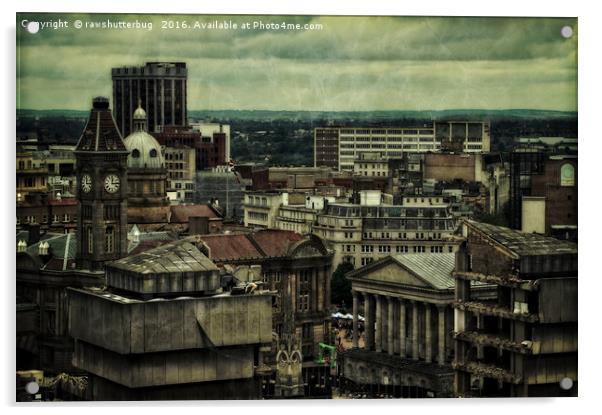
135 153
153 153
567 175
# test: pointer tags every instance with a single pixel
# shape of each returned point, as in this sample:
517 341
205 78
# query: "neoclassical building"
147 176
407 303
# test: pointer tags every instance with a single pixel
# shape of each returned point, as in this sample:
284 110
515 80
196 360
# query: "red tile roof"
231 247
182 213
275 243
261 244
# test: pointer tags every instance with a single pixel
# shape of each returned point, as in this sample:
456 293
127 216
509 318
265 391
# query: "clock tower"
101 190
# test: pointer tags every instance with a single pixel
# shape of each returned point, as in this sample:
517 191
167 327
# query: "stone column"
402 328
479 327
441 352
414 331
390 331
369 323
428 354
378 337
355 319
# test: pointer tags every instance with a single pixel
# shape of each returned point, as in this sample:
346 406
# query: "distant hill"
52 113
265 115
464 114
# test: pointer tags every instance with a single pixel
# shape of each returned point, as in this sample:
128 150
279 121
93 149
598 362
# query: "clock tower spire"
101 159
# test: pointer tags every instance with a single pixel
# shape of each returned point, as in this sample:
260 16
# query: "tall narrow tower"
102 190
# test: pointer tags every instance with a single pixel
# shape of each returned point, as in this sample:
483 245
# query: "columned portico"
408 318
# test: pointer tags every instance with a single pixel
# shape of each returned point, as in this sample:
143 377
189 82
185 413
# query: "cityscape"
177 245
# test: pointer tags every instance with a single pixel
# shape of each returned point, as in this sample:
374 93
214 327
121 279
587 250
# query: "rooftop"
522 243
436 269
175 257
182 213
101 132
261 244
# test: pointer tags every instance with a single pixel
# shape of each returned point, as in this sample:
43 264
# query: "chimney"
198 225
34 233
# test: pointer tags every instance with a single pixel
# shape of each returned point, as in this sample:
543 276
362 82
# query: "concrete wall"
168 325
169 282
170 368
534 215
445 167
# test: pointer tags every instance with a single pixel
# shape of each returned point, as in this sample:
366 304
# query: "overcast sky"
353 63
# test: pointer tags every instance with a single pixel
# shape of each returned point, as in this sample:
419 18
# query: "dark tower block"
102 190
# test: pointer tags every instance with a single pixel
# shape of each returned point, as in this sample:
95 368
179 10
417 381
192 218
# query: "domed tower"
147 175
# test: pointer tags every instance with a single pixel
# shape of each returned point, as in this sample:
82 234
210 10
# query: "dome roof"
140 114
145 151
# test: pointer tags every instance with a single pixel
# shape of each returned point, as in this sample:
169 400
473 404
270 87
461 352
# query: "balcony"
505 280
489 371
485 339
491 309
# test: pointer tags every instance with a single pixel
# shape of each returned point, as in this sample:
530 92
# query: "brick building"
543 193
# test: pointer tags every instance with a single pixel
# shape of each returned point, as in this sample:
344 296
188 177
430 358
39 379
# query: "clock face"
112 183
86 183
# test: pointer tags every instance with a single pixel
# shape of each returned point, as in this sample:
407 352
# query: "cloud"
353 63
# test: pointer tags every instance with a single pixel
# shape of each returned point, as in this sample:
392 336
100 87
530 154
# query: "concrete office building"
162 329
161 86
338 147
525 342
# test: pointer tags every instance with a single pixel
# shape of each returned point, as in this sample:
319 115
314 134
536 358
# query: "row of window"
174 156
31 219
30 182
385 131
258 216
402 235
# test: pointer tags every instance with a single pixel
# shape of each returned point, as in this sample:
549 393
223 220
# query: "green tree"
340 286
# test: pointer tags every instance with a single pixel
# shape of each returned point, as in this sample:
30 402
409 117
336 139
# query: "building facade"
32 174
337 147
407 304
283 255
360 234
525 342
181 171
543 186
160 86
212 345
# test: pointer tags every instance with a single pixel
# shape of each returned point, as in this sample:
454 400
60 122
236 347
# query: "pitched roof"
231 247
174 257
268 243
435 269
275 243
523 243
182 213
62 246
149 240
101 132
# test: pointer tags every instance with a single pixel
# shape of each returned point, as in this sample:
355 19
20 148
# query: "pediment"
394 273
